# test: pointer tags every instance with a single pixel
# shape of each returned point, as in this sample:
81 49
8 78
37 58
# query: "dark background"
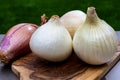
13 12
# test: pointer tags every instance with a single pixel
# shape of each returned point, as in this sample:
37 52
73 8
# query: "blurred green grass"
13 12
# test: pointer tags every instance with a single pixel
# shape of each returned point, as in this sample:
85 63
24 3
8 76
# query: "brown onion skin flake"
16 42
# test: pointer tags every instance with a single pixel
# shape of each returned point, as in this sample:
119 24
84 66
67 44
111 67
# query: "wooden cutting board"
31 67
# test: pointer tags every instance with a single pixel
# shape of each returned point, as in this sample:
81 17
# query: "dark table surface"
7 74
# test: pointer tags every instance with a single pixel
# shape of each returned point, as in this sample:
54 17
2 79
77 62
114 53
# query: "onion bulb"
51 41
16 42
96 41
72 20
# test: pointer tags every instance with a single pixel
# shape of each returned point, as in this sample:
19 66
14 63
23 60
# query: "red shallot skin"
16 42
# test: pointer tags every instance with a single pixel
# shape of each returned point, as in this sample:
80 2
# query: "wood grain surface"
31 67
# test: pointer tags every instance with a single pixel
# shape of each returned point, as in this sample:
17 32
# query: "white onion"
52 41
72 20
96 41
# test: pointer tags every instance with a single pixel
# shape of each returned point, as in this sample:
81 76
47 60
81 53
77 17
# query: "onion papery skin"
51 41
16 42
72 20
96 41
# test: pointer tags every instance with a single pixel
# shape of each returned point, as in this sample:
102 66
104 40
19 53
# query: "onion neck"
92 17
55 19
43 19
